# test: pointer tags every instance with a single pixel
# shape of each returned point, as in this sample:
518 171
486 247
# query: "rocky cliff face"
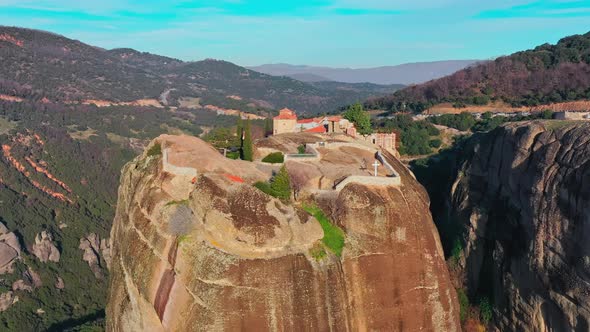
525 199
211 252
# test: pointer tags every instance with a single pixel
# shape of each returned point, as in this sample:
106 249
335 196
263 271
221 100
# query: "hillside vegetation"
59 173
44 66
544 75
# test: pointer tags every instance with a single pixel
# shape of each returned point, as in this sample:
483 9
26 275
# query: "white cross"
376 164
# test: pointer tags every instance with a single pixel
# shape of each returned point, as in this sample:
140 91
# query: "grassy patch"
117 139
155 150
183 202
318 252
457 250
463 304
182 238
485 310
6 126
83 135
333 235
558 124
233 155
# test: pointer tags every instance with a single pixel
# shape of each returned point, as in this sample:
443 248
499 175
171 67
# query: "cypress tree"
281 185
239 128
247 148
267 127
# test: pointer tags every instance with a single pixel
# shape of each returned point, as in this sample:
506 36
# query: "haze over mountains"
408 73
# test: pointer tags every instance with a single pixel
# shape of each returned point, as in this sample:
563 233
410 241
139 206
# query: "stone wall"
370 181
572 115
386 164
313 156
282 126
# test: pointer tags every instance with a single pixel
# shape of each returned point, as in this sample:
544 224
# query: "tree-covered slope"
546 74
37 64
59 173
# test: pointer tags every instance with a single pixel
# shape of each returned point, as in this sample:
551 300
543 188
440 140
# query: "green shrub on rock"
274 158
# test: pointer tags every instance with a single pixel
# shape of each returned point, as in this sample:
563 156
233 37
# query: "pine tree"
247 147
281 185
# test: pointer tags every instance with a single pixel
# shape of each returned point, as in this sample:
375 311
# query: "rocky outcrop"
216 254
33 278
21 285
105 250
44 249
524 198
59 283
6 300
10 249
92 247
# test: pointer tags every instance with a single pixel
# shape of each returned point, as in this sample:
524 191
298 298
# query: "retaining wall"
386 164
314 156
371 181
336 145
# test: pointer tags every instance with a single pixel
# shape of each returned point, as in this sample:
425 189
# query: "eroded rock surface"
33 278
92 247
59 283
226 256
524 197
21 285
10 249
6 300
44 248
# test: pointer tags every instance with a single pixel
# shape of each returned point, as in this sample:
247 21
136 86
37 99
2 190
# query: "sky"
336 33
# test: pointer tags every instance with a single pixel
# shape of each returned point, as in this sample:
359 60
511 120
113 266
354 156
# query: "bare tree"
298 178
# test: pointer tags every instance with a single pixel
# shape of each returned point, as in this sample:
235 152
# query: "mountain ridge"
544 75
406 73
36 64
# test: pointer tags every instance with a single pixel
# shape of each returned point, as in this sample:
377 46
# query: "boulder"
33 277
6 300
59 283
44 249
10 249
21 285
91 247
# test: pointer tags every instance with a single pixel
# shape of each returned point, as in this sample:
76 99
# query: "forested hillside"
59 173
544 75
44 66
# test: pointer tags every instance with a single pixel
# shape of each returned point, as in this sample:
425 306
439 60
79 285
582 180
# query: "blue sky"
351 33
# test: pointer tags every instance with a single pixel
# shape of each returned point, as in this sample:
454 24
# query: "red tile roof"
286 114
335 118
306 120
318 129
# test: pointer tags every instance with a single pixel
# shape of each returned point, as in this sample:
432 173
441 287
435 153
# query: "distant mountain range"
406 74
